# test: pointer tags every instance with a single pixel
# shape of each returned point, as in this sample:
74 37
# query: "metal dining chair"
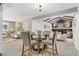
27 44
51 43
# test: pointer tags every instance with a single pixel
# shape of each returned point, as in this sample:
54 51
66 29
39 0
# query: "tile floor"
14 48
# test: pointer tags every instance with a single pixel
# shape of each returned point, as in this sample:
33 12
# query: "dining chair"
51 43
27 44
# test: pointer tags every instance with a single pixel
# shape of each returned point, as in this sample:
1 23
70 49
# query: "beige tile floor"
14 48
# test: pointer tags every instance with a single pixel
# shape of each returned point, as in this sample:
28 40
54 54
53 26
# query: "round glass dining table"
39 39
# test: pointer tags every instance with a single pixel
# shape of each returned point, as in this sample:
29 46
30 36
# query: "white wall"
76 30
10 15
18 13
27 24
0 30
39 25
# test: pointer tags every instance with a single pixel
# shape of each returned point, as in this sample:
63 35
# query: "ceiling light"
39 8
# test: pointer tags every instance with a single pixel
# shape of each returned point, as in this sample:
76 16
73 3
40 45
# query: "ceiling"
27 10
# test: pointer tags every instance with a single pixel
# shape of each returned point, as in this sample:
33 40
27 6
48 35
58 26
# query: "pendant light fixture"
39 8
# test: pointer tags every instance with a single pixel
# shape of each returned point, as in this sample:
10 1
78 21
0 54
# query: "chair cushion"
43 36
34 36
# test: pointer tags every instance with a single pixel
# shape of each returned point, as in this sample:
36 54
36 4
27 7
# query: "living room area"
46 22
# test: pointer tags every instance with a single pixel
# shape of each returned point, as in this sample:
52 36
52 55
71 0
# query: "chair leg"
29 52
22 51
46 49
56 49
53 50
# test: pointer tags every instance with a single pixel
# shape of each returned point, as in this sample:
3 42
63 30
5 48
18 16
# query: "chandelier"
39 8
